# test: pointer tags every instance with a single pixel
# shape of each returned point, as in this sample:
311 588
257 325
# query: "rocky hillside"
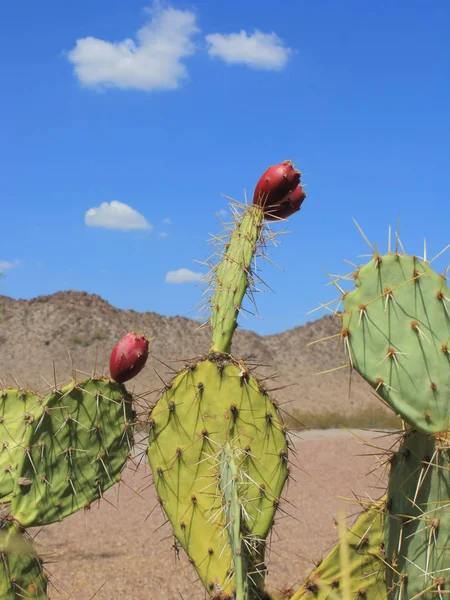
37 334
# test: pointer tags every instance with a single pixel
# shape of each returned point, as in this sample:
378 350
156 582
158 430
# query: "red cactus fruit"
289 205
278 191
128 357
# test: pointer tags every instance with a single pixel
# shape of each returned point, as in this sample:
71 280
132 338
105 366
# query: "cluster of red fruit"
279 191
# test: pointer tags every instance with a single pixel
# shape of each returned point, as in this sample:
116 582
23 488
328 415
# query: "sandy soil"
123 550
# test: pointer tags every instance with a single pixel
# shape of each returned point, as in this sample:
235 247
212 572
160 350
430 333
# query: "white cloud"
167 221
222 213
258 51
183 276
152 62
163 234
116 215
5 264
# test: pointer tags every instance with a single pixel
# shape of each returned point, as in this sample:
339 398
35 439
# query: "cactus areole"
128 357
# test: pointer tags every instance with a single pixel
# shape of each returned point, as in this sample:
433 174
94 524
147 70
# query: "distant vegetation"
365 418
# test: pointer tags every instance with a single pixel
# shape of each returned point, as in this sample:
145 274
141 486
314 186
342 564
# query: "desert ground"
123 550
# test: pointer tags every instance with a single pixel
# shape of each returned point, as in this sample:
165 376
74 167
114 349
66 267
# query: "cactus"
233 276
21 571
396 330
218 454
74 450
217 446
59 454
417 531
366 570
396 327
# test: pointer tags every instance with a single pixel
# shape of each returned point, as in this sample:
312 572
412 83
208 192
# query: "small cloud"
152 62
5 264
167 221
222 213
258 51
183 276
163 234
116 215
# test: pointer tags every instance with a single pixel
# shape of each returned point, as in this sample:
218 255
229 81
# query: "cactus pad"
74 451
396 327
218 449
233 276
21 573
18 410
366 563
418 518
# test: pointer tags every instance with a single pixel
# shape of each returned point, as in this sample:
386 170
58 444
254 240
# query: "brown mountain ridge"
37 333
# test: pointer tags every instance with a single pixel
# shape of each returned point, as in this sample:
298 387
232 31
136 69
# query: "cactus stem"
233 275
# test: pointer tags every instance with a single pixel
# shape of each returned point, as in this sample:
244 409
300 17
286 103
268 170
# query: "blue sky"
163 107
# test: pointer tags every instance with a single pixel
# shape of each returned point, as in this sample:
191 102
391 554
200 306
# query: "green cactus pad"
417 523
214 412
396 327
18 411
74 452
366 562
21 573
233 277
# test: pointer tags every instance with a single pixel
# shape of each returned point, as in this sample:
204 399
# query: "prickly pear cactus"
58 454
217 446
21 572
72 447
366 564
396 330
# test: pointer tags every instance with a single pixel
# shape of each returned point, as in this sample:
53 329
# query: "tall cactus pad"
366 562
396 327
21 573
418 519
74 452
218 454
19 409
232 277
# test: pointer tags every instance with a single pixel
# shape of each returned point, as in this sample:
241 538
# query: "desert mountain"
37 333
